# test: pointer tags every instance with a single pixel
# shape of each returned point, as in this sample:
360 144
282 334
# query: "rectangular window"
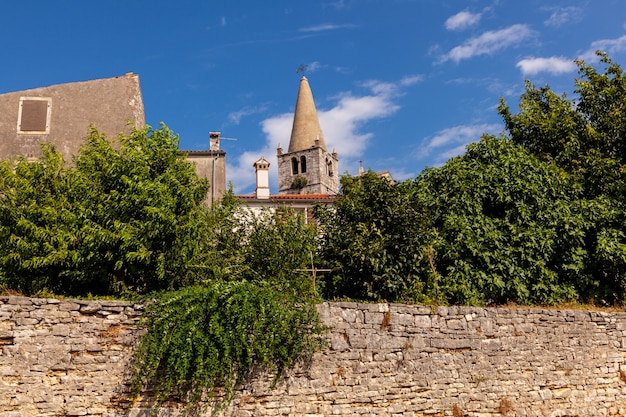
34 115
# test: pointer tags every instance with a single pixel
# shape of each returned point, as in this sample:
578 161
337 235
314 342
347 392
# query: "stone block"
69 306
22 301
90 307
339 341
455 324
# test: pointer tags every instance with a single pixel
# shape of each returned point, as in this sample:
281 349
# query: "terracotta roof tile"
293 197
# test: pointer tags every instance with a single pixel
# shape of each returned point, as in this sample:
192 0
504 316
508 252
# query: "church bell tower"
307 167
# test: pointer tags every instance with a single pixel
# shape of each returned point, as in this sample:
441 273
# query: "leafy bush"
211 339
585 137
126 216
273 246
374 240
507 225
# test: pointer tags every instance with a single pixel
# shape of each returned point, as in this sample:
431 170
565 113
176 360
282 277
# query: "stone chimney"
214 141
262 168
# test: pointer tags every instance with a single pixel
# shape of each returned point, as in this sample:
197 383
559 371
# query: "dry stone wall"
70 358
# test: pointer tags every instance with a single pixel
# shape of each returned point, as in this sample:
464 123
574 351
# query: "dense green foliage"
125 216
586 136
533 217
507 224
228 292
271 246
251 309
373 239
209 339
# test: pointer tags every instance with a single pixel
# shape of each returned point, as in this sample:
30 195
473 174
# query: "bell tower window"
294 165
303 164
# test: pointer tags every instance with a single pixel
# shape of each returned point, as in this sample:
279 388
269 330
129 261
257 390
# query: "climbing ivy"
211 339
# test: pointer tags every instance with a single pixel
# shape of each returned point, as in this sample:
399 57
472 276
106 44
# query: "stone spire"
306 132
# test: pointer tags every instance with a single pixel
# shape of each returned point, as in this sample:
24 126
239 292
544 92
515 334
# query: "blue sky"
399 84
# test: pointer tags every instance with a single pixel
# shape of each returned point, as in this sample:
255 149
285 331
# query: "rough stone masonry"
72 358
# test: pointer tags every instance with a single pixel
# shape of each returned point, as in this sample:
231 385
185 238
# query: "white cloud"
610 46
552 65
452 141
411 79
462 20
235 117
559 65
343 126
562 15
327 26
489 43
241 172
341 4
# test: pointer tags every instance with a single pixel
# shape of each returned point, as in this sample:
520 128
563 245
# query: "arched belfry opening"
294 166
307 156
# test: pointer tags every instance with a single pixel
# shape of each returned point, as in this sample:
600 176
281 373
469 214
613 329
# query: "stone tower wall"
72 358
318 180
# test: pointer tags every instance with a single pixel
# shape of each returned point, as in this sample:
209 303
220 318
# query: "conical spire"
306 126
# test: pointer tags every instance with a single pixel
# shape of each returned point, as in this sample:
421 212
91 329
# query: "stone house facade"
62 115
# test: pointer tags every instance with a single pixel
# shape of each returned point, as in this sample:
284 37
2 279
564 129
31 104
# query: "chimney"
214 141
262 179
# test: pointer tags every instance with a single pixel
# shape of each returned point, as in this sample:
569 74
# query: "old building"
263 199
211 164
307 172
307 167
62 114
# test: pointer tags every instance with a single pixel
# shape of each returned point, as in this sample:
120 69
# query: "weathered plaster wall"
72 358
109 104
212 166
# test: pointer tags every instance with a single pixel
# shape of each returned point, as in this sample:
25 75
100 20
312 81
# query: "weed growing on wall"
208 340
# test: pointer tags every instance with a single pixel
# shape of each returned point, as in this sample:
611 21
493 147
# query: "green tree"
273 247
126 215
374 239
507 227
585 136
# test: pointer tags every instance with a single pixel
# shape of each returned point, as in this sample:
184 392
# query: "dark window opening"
303 164
294 165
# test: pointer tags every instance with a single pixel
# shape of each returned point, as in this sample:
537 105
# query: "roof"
326 198
306 126
201 152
